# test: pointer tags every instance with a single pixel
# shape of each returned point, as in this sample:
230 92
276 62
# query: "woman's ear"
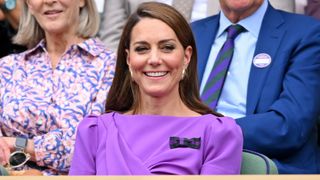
187 56
29 5
128 57
128 61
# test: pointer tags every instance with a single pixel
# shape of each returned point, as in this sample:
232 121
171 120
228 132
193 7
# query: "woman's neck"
57 45
170 105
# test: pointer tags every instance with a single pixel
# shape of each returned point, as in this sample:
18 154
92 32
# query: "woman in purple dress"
155 122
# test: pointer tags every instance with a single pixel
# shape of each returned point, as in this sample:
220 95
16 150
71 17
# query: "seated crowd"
158 88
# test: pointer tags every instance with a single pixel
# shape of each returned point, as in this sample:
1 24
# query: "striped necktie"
214 85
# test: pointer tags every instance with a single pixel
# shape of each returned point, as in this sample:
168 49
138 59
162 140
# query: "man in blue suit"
272 87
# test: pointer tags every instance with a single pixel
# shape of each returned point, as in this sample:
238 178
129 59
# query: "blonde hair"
30 32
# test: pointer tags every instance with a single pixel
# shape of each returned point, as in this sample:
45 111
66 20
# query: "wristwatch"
19 157
8 5
21 143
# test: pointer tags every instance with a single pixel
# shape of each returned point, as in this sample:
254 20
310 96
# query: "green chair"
3 171
256 163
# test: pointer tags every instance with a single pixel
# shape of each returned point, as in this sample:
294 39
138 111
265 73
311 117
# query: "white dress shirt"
233 98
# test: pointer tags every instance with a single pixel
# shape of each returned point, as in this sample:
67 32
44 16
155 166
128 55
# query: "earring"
130 72
183 74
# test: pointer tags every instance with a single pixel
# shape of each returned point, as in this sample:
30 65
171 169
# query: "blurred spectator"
286 5
9 22
300 6
116 13
271 86
46 90
313 8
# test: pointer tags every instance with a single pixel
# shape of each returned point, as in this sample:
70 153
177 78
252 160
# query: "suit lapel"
268 42
209 28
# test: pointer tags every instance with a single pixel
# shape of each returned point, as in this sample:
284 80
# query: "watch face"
10 4
21 143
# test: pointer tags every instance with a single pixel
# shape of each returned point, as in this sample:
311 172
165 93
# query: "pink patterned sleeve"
55 148
99 105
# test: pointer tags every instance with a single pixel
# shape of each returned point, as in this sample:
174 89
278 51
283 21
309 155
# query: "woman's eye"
140 49
168 48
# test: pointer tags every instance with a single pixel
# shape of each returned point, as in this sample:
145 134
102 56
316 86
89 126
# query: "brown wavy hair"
124 93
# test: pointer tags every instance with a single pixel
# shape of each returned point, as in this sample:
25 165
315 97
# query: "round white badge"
262 60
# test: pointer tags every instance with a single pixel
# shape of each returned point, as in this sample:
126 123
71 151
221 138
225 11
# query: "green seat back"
3 171
256 163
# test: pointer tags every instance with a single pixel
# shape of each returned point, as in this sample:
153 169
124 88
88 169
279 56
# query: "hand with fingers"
5 149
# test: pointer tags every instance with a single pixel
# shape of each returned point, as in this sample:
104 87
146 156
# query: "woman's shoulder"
224 123
92 123
216 119
221 130
12 57
97 54
10 63
22 57
97 48
93 120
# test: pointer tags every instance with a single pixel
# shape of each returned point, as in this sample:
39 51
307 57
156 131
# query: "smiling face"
57 16
156 58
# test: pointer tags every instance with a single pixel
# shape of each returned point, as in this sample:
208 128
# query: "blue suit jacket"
283 100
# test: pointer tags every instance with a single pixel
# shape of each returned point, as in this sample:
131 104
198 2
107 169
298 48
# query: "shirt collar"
251 23
39 47
93 46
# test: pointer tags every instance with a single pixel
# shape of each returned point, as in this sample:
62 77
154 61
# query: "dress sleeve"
6 71
83 160
223 148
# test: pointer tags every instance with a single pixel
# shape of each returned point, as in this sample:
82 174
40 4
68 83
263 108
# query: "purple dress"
117 144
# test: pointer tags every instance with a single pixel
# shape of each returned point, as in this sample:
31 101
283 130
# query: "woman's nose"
154 58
